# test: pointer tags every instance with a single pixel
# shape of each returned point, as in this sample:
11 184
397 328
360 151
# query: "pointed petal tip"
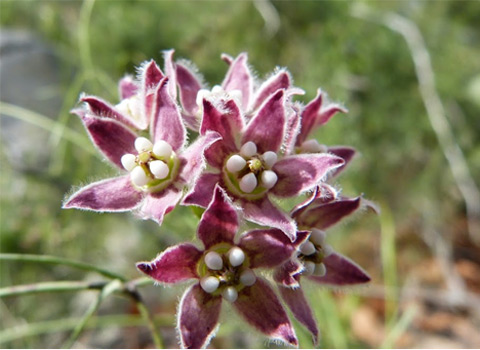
144 267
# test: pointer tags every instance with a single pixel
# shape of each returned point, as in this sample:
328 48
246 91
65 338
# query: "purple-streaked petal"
116 194
112 138
189 85
309 116
324 215
298 304
157 204
300 173
280 80
267 128
166 121
176 264
344 152
198 315
171 73
202 192
100 108
227 58
240 78
288 274
151 75
341 271
260 308
193 156
227 123
219 222
264 213
269 248
293 128
191 121
327 113
127 87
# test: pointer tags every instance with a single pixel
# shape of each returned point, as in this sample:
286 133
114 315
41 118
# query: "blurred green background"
425 267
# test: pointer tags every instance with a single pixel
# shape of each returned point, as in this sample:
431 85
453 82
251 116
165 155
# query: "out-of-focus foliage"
361 64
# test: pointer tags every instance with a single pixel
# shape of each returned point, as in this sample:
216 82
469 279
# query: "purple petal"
293 128
116 194
219 222
176 264
193 156
188 87
267 127
309 116
260 307
288 274
264 213
100 108
300 173
112 138
198 317
327 113
227 124
167 122
127 87
151 76
191 121
344 152
269 248
156 205
341 271
298 304
171 73
202 192
227 59
281 80
240 78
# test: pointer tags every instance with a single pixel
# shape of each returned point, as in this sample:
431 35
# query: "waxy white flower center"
226 272
313 252
153 165
218 93
249 172
131 107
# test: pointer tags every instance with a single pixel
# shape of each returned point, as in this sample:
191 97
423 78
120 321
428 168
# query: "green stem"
47 287
47 259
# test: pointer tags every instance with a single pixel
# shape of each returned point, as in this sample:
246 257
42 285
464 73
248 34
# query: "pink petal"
171 73
269 248
151 76
202 192
127 87
260 307
293 128
327 113
227 124
300 173
167 122
116 194
219 222
341 271
264 213
240 78
188 87
112 138
288 274
156 205
194 155
344 152
191 121
324 215
197 318
280 80
298 304
101 108
267 128
309 116
176 264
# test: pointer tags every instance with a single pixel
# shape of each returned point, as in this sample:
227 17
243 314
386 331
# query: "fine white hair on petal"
193 69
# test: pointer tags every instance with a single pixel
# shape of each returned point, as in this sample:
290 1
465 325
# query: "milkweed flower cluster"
251 146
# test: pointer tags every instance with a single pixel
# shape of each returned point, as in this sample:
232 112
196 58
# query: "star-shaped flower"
226 269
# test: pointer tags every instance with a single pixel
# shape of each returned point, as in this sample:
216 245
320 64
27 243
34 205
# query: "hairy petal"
198 315
344 152
219 222
240 78
167 122
267 128
269 248
327 113
298 304
112 138
341 271
127 87
151 75
116 194
300 173
281 80
264 213
288 274
260 307
174 265
293 128
188 87
157 204
309 116
100 108
202 192
171 72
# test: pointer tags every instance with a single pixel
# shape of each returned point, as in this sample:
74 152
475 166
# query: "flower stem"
48 287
